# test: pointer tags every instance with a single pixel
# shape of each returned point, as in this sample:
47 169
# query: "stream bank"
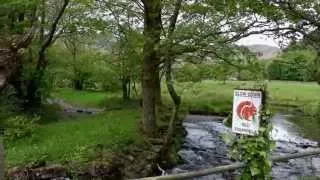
134 160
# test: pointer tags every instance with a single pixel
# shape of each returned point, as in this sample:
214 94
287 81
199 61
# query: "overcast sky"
258 39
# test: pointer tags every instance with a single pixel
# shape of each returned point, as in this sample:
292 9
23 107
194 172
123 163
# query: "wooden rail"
234 166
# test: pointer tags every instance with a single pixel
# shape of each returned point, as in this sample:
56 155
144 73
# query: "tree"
151 60
41 64
127 60
294 64
303 19
16 33
81 63
124 19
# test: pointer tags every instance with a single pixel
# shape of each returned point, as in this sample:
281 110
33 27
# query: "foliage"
15 16
79 61
188 72
126 60
8 103
240 65
87 69
19 127
9 106
294 65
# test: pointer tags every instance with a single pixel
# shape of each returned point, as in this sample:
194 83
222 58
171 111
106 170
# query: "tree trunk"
129 88
151 52
317 67
78 80
125 91
158 90
33 99
17 83
176 101
78 84
239 74
34 82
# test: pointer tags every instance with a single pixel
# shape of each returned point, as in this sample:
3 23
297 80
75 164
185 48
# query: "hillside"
264 51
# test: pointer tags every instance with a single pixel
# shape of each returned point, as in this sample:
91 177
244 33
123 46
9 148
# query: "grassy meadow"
216 96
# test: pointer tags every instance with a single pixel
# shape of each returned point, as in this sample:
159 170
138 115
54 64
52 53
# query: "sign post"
253 145
247 105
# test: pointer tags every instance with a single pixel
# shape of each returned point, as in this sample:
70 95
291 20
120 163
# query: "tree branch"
53 28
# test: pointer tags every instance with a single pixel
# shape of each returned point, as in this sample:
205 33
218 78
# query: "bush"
313 110
188 72
9 105
19 126
295 65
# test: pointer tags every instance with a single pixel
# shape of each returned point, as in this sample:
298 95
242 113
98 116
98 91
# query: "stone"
131 158
50 172
17 173
316 165
43 173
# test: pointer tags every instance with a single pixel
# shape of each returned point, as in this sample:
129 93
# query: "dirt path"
72 109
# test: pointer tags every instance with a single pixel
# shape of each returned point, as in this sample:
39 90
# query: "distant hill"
264 51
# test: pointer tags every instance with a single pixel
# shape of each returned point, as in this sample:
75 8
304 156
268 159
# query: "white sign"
246 111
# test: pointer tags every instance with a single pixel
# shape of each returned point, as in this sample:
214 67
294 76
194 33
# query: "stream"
204 148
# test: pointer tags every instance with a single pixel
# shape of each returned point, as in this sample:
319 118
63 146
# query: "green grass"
74 139
215 96
94 99
294 93
308 126
83 98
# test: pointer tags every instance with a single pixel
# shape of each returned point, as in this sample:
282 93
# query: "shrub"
188 72
19 126
294 65
314 112
9 105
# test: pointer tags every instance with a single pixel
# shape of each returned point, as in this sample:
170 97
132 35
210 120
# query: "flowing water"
204 148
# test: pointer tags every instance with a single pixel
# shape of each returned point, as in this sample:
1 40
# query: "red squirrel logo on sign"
246 110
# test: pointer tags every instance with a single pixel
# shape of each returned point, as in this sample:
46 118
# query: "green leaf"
254 171
227 138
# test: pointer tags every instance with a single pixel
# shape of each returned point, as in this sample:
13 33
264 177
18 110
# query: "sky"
259 39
